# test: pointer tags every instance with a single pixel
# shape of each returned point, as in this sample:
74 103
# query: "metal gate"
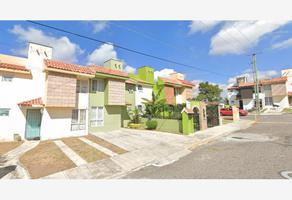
212 115
196 119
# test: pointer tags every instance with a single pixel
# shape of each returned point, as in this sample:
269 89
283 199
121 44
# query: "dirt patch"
106 144
45 159
87 152
8 146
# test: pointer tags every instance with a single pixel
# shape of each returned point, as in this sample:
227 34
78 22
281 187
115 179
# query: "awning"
38 102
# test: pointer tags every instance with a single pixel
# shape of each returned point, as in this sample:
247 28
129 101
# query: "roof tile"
13 67
37 101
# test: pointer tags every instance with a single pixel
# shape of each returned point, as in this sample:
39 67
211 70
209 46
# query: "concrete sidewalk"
146 148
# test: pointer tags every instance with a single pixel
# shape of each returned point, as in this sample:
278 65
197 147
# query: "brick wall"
187 93
279 89
169 94
116 92
61 90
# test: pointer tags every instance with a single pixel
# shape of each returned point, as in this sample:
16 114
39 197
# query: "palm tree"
153 105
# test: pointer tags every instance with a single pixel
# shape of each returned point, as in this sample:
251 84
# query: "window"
4 112
97 85
268 101
267 88
97 116
7 78
78 121
81 86
140 88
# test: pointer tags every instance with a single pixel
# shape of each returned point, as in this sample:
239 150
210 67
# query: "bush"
151 124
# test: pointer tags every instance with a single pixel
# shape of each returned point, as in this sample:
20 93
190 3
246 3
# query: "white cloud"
102 54
238 37
63 48
130 69
99 26
283 44
202 26
163 73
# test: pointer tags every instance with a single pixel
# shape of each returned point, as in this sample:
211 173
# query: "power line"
124 48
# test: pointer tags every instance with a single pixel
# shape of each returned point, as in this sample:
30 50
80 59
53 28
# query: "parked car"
228 112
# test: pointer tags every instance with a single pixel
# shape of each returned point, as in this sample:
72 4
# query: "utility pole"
256 86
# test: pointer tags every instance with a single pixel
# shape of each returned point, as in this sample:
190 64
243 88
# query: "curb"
212 138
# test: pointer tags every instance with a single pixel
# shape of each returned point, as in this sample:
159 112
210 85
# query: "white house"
42 98
275 92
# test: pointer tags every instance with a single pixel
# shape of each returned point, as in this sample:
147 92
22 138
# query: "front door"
33 124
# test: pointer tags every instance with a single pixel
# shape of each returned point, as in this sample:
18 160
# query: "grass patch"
8 146
106 144
45 159
87 152
287 110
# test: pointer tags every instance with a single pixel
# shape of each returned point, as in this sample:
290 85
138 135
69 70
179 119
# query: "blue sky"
219 46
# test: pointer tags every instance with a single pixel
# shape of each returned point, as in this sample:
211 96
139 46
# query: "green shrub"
135 126
151 124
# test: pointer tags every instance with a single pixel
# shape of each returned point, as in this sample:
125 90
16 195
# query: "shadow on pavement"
6 170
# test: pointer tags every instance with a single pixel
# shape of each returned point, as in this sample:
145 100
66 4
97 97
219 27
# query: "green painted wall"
187 123
130 93
167 125
159 84
146 73
112 114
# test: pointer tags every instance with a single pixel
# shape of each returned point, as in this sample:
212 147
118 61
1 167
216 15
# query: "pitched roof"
276 80
282 79
32 102
13 67
68 67
105 70
186 82
177 81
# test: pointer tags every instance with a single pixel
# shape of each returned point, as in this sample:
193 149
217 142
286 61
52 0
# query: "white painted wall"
248 104
178 99
145 93
56 123
12 93
282 101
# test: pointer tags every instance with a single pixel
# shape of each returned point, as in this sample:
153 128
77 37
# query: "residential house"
272 92
176 90
47 99
42 99
107 96
140 87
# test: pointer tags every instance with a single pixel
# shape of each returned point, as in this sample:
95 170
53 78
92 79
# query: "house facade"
47 99
176 90
275 92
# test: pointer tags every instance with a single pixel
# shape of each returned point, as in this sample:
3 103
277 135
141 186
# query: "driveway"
261 151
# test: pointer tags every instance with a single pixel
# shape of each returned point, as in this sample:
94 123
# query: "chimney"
36 55
114 64
241 79
177 75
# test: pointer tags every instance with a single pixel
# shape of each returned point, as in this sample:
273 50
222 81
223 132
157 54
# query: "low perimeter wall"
167 125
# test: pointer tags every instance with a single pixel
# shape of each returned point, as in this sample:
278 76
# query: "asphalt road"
262 151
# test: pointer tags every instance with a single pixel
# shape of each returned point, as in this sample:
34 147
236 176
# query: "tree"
209 92
153 105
